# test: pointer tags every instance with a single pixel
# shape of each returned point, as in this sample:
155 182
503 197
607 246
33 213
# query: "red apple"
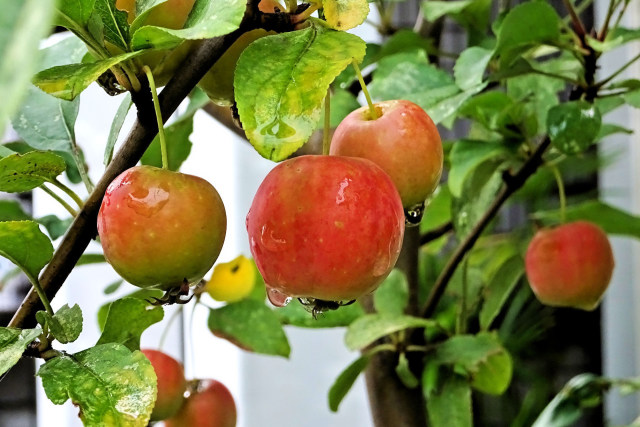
171 384
160 228
570 265
403 141
325 227
212 407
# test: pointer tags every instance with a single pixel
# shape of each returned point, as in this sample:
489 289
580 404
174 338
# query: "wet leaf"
24 172
573 126
13 343
65 325
110 384
281 82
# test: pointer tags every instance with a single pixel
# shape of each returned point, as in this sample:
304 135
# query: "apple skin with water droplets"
159 228
403 141
570 265
326 227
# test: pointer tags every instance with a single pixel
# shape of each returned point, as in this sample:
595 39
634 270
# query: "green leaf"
11 210
127 319
250 325
403 40
611 219
450 404
404 372
45 122
482 356
25 245
116 126
344 15
295 314
55 226
615 38
13 343
22 25
466 156
608 129
207 19
433 10
86 259
178 145
372 327
538 94
477 195
24 172
437 213
68 81
345 380
470 66
111 288
500 287
573 126
410 76
143 8
528 24
279 117
392 296
76 12
115 25
141 294
65 325
581 392
110 384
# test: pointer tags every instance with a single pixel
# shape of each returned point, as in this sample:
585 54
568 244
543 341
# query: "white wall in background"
620 186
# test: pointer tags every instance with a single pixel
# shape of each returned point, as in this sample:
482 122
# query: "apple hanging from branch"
325 228
570 265
402 139
161 229
171 384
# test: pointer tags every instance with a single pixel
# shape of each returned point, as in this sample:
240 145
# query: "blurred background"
272 391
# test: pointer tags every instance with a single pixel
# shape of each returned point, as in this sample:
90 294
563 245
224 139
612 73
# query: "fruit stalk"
372 110
326 131
156 107
561 192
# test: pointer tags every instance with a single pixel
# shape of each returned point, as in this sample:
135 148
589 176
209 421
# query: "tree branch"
512 184
436 233
83 228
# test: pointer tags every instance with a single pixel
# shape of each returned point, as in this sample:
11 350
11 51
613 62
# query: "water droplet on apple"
147 201
413 215
277 298
271 240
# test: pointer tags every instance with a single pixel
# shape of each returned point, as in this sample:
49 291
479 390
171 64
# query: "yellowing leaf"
345 14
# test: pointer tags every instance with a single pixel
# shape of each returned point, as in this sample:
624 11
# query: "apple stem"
561 193
156 106
372 111
60 200
326 132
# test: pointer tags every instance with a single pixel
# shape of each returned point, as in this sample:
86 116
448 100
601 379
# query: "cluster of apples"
208 403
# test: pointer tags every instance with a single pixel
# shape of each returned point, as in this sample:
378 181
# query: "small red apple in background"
403 141
160 228
570 265
211 406
171 384
325 227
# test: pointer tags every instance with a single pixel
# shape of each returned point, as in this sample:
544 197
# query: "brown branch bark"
83 228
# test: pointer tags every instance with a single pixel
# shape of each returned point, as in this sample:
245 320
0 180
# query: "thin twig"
436 233
575 19
511 185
